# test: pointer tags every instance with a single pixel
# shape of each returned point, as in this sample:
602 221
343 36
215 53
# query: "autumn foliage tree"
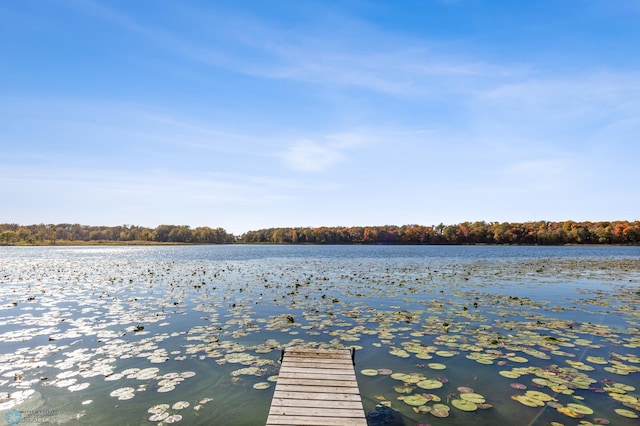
530 233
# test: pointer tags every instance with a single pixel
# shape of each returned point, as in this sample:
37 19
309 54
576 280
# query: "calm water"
100 335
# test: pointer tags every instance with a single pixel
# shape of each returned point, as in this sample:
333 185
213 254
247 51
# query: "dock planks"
316 387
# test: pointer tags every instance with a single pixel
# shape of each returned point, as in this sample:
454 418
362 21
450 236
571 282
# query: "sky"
247 114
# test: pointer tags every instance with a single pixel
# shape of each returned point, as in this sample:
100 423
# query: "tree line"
529 233
11 234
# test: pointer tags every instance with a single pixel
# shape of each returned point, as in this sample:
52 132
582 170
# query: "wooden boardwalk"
316 387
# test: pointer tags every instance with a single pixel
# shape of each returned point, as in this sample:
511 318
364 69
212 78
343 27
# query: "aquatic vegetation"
177 333
464 405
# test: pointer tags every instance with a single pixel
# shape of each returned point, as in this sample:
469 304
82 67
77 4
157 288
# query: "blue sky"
255 114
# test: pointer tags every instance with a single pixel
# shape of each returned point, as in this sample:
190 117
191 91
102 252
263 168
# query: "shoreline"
160 243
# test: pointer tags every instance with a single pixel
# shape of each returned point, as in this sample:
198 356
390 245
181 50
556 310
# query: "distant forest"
527 233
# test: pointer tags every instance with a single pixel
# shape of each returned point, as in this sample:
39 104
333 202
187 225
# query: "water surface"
203 324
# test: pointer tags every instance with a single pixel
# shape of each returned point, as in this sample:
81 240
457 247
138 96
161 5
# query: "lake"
463 335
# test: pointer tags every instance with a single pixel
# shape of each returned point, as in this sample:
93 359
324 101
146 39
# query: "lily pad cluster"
425 395
125 326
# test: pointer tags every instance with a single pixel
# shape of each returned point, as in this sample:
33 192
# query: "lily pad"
78 387
509 374
429 384
596 360
626 413
528 401
262 385
579 408
415 400
423 355
159 417
403 389
180 405
624 387
123 393
464 405
569 412
174 418
440 410
541 396
157 409
473 397
436 366
399 376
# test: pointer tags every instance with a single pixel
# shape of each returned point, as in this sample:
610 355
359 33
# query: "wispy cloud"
569 114
92 130
575 93
317 155
542 174
309 156
397 66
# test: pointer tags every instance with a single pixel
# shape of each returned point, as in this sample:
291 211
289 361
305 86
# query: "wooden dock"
316 387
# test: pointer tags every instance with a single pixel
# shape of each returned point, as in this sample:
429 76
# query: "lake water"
122 335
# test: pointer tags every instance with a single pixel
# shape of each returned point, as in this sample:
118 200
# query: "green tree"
8 237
